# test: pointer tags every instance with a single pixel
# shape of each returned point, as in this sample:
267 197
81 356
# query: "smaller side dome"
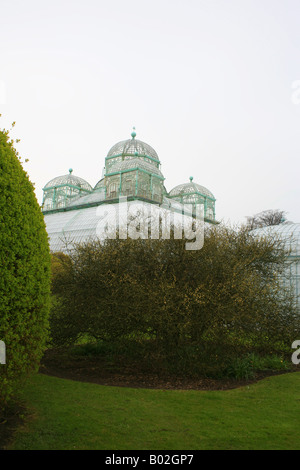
190 188
59 191
193 193
70 180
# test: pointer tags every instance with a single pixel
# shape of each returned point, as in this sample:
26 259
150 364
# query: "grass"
65 414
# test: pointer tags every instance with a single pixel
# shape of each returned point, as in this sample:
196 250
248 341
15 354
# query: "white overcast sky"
212 85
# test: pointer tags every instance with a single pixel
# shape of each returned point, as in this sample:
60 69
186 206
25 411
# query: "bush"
24 272
240 368
246 367
195 309
271 362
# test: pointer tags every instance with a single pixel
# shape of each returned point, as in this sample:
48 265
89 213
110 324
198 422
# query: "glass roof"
65 229
287 231
94 197
132 164
132 147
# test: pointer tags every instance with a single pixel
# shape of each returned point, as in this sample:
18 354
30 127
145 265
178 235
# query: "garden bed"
63 364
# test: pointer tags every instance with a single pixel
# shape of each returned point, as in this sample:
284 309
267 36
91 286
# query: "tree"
191 309
265 219
24 272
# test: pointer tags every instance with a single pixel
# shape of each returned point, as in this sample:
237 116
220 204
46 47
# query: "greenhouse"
289 233
74 211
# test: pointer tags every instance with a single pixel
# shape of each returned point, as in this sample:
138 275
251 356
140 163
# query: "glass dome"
195 194
60 191
188 189
70 180
132 147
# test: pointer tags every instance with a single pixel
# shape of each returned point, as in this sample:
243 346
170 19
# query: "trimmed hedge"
24 272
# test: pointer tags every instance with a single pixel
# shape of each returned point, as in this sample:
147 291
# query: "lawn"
65 414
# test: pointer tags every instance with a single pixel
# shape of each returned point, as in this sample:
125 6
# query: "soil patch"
60 363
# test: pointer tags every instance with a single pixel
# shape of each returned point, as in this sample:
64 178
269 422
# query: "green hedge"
24 272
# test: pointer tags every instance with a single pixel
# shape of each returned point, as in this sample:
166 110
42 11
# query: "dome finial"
191 178
70 170
133 133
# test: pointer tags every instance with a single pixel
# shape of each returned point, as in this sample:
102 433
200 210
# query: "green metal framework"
132 169
192 193
60 191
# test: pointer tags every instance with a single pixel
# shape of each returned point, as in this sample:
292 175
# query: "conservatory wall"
289 233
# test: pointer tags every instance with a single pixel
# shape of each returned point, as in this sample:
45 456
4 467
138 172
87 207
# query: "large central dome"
132 147
132 168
